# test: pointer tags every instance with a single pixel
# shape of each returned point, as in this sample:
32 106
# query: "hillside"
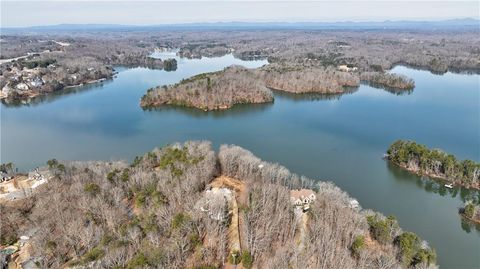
185 206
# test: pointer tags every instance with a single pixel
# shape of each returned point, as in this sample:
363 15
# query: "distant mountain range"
454 24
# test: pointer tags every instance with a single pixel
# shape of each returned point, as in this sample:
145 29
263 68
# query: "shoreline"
471 220
218 108
433 177
86 83
30 95
333 92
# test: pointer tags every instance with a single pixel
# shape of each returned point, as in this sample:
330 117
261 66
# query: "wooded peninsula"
186 206
434 163
471 212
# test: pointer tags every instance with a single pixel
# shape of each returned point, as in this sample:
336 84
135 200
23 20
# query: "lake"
336 138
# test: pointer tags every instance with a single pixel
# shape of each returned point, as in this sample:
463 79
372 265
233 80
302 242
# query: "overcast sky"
30 13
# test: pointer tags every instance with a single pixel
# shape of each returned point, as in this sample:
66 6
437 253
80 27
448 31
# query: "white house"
39 175
36 82
354 204
302 198
345 68
22 86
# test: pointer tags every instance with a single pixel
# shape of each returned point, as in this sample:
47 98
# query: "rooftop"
298 194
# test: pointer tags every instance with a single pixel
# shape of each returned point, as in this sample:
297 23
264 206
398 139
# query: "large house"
39 174
4 176
347 68
36 82
302 198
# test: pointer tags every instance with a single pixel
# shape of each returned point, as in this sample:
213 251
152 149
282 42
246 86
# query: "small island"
434 163
387 81
170 64
211 91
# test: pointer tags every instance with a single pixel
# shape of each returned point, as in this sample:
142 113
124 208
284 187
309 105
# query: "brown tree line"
389 81
304 79
322 51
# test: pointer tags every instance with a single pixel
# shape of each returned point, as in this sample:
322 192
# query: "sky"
33 13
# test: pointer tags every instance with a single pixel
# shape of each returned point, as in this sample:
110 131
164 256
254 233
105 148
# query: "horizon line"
426 20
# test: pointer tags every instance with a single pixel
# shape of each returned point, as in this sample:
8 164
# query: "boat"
450 186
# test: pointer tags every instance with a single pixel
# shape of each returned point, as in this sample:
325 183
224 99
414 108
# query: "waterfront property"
302 198
340 138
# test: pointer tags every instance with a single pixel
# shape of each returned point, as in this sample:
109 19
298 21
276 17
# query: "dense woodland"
302 78
437 51
435 163
144 215
389 81
317 53
238 85
18 45
72 62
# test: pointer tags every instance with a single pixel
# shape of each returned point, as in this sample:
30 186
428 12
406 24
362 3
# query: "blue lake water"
340 138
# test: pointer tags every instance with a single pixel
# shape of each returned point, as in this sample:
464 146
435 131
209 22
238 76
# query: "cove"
335 138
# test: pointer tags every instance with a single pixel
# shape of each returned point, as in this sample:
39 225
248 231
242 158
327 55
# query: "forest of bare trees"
238 85
211 91
304 79
48 66
143 215
439 51
81 58
389 81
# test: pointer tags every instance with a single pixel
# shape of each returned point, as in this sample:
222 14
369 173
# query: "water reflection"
433 185
237 109
463 71
469 226
394 91
300 97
